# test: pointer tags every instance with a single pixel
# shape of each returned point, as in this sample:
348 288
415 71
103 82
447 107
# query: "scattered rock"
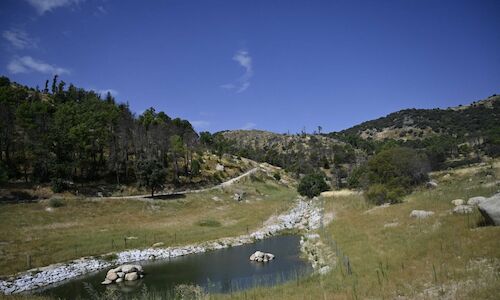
421 214
431 184
219 167
458 202
490 209
159 244
475 200
389 225
463 209
215 198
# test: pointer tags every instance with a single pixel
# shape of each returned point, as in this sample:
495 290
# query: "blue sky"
273 65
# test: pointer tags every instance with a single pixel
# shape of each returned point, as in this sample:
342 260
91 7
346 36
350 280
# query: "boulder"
120 274
463 209
119 280
106 282
129 268
490 209
261 256
421 214
131 276
431 184
475 200
111 276
458 202
219 167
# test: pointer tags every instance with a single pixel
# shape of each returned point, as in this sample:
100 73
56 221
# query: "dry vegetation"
83 227
393 256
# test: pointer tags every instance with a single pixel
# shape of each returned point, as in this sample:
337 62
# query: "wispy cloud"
43 6
200 124
243 58
27 64
19 39
248 126
100 11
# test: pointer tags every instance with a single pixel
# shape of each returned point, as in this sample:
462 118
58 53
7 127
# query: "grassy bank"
391 255
81 227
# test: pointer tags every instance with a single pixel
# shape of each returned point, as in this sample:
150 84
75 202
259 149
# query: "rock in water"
261 256
131 276
106 282
421 214
111 275
490 209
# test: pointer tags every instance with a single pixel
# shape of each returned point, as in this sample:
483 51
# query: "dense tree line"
71 134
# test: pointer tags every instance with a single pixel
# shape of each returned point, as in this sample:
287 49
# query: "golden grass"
446 256
83 227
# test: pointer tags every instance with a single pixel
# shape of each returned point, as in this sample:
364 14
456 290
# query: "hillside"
470 123
298 153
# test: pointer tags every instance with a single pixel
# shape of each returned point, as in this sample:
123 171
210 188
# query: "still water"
221 271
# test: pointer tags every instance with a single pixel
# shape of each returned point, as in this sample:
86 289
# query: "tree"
312 185
151 174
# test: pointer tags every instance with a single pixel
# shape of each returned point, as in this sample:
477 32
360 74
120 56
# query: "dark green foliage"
312 185
56 202
195 167
75 135
3 174
277 176
59 185
391 174
151 174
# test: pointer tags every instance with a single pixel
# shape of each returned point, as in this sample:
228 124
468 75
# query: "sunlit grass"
445 256
81 227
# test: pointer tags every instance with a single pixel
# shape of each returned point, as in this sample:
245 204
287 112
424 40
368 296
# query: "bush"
58 185
379 194
277 176
56 202
312 185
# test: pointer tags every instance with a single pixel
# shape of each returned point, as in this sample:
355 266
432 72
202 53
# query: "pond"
219 271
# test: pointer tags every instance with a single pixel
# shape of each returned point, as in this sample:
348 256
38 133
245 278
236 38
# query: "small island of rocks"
124 273
260 256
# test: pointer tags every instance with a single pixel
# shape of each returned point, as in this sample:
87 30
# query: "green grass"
84 228
446 256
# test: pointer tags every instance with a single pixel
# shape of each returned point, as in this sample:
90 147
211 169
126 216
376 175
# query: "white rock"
119 280
475 200
106 282
219 167
111 276
131 276
458 202
129 268
421 214
159 244
463 209
490 209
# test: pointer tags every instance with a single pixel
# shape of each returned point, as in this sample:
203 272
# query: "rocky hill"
470 123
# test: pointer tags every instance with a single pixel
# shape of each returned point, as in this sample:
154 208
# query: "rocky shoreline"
304 216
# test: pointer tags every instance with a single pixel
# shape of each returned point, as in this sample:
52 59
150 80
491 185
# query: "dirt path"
221 185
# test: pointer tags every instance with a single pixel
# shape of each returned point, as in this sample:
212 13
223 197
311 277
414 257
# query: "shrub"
56 202
208 223
277 176
58 185
380 194
312 185
195 167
